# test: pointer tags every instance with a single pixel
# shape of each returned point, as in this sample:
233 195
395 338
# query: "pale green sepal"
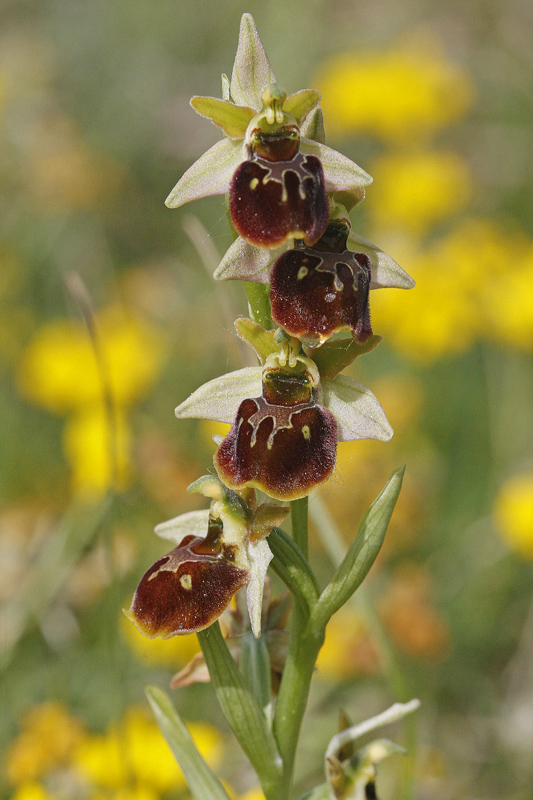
241 709
243 262
252 72
361 554
301 104
201 781
358 413
262 341
226 93
342 174
292 567
193 523
313 126
220 398
259 557
386 273
233 120
322 792
211 174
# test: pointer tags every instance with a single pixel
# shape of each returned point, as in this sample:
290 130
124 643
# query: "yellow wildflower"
136 750
63 371
404 94
513 512
98 450
60 370
47 739
414 189
31 791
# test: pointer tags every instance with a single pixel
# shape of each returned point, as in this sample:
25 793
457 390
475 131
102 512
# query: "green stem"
304 646
299 509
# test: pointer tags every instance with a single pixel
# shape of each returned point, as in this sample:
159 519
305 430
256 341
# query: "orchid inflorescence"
288 199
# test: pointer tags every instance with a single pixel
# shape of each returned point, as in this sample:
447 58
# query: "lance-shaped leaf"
292 567
386 273
211 174
201 781
361 553
240 708
220 398
233 119
358 413
251 70
193 523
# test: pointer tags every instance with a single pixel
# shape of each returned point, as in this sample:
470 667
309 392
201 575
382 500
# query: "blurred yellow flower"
136 750
46 740
31 791
414 189
209 428
403 94
64 371
175 652
513 512
61 371
98 450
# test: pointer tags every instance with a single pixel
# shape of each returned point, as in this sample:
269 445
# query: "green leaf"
301 103
337 354
358 413
255 668
201 781
220 398
233 120
240 708
361 553
211 174
252 72
290 565
386 273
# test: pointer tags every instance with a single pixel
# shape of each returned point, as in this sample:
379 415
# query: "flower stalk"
307 278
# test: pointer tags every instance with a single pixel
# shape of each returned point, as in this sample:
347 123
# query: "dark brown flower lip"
185 591
286 451
273 201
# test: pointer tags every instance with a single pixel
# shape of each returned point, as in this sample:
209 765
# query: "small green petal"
301 104
252 72
233 120
386 273
211 174
313 126
262 341
358 413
